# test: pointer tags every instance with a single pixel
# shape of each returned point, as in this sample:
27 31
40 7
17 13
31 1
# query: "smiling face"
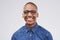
30 14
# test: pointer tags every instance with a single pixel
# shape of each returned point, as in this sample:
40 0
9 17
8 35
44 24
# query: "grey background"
11 16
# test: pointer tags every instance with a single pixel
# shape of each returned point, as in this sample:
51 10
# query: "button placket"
31 34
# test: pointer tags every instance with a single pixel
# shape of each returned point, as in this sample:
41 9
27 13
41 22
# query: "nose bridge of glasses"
29 13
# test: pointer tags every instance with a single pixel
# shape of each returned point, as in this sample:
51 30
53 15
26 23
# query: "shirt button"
30 35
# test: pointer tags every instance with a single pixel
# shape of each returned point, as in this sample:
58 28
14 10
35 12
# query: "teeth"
29 19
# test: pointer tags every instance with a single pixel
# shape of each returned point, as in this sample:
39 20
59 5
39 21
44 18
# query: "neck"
31 25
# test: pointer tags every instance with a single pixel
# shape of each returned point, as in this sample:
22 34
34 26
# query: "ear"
23 15
37 14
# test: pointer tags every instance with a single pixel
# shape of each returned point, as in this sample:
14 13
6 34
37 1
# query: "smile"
29 19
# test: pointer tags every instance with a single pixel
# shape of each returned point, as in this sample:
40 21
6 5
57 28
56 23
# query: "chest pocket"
22 37
38 37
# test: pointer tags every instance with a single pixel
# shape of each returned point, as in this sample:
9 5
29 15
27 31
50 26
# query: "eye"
25 12
33 11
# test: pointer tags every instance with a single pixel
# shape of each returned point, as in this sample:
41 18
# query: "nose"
29 14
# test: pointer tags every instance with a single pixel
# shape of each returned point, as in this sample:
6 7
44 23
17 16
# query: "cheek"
24 15
34 16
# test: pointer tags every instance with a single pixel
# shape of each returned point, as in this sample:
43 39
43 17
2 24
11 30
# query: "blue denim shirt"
35 33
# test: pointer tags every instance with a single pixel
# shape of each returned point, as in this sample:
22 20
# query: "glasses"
31 11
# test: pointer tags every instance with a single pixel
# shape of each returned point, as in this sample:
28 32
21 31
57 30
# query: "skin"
29 18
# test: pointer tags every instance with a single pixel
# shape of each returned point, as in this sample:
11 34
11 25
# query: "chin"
30 23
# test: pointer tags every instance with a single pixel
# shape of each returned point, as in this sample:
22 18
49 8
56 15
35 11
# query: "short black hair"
32 4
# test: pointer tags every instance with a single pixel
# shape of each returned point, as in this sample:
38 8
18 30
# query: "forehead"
29 7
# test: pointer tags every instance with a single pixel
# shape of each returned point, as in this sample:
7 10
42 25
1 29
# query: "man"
31 30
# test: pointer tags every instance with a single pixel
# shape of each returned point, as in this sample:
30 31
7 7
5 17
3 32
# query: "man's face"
30 14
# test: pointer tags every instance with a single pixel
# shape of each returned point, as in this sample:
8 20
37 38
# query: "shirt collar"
33 29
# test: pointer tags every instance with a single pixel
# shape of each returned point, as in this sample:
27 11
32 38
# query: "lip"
29 19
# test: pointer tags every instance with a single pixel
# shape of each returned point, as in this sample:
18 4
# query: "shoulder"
44 31
44 34
19 32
